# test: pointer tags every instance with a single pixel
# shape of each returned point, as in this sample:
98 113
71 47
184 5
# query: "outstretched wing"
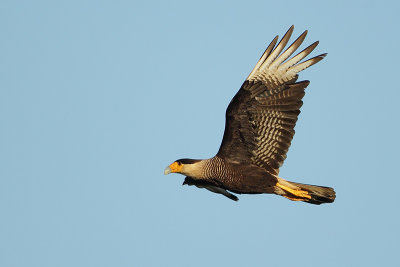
260 119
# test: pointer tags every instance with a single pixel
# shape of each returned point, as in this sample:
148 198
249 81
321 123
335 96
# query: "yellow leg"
296 192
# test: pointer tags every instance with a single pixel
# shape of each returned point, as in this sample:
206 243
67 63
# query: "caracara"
259 128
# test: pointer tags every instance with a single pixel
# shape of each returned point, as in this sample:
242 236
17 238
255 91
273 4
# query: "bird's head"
183 166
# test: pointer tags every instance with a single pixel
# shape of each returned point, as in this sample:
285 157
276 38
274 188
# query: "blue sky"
98 97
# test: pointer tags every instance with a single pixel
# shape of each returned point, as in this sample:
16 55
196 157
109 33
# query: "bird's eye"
179 163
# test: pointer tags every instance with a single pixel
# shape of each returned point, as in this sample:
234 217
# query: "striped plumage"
259 128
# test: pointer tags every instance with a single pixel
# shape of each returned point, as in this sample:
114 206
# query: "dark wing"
208 184
260 119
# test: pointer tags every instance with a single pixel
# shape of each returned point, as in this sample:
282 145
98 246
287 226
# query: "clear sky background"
98 97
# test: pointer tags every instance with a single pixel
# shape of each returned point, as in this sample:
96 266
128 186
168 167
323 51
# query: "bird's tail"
303 192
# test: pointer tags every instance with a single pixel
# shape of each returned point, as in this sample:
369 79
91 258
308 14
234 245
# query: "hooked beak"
167 170
174 167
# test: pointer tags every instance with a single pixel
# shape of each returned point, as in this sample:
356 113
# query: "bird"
259 129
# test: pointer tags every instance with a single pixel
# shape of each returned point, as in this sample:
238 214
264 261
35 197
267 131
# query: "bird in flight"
259 128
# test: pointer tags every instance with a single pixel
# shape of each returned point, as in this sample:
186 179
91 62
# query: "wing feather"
260 119
278 49
306 64
265 54
292 48
300 56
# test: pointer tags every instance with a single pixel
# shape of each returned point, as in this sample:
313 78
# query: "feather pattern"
260 119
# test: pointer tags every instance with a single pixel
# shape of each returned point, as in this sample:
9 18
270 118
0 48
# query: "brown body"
259 128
